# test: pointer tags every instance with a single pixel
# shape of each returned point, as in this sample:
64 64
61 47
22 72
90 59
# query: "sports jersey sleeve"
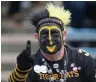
32 76
18 75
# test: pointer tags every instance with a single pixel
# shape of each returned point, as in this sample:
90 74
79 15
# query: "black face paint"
50 40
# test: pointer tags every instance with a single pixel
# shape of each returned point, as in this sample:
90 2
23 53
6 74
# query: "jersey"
80 68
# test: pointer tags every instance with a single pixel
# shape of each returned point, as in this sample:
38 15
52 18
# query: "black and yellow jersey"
80 68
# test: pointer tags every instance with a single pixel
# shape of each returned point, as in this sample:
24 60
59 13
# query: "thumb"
28 46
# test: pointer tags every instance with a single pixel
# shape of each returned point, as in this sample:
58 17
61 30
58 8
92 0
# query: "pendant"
72 65
52 78
62 71
75 68
61 80
45 63
43 59
49 71
65 78
57 70
79 68
65 63
55 65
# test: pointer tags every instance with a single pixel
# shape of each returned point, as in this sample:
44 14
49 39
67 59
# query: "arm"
24 63
18 75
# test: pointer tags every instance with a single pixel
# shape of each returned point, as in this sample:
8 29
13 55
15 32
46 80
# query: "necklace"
56 66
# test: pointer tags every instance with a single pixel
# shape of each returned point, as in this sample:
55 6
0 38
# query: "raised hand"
25 60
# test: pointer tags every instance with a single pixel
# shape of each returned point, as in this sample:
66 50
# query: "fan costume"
76 65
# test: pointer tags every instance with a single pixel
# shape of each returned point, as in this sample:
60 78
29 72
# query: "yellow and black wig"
52 15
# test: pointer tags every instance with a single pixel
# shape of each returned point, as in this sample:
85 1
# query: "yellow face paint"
50 48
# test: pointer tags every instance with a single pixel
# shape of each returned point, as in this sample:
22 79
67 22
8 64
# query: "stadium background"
16 29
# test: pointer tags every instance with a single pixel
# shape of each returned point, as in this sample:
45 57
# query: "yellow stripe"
9 78
20 75
12 78
49 29
24 70
17 78
50 37
24 76
51 49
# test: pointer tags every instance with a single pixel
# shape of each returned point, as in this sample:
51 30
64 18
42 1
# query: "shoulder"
78 55
77 52
82 58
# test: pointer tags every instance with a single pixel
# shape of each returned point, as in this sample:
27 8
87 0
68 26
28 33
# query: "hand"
25 60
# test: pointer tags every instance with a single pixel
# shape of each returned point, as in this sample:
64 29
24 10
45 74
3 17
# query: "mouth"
51 48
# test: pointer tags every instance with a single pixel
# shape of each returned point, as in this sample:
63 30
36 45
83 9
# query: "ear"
36 35
64 35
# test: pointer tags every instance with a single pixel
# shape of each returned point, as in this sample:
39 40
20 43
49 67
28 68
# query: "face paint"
50 39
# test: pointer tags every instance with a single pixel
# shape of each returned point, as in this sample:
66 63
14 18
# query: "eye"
43 35
55 34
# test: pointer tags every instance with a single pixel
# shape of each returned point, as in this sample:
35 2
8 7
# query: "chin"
54 52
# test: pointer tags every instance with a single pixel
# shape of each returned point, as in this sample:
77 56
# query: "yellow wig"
59 12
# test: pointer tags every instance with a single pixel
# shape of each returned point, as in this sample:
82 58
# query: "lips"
51 48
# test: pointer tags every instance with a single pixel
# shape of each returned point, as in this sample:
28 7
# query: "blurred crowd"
16 15
83 12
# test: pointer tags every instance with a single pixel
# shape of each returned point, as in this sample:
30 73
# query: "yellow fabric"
20 75
24 70
12 78
17 79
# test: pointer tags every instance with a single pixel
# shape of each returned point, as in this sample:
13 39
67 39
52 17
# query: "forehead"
49 28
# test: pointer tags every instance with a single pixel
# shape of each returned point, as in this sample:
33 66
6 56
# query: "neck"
56 56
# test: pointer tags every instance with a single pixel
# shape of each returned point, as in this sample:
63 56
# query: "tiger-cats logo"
56 76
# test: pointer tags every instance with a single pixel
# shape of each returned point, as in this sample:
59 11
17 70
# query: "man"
54 61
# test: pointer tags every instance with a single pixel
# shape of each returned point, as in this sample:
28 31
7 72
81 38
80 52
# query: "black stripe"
17 76
15 79
10 79
21 72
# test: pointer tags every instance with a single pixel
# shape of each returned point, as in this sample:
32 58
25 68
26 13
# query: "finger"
28 46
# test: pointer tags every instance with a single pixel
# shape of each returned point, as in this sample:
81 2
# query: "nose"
50 38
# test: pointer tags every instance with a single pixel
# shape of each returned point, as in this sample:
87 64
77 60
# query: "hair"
51 14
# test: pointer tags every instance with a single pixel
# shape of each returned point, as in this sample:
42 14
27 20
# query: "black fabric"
85 74
23 60
50 21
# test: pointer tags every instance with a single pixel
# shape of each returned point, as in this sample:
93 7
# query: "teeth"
52 48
